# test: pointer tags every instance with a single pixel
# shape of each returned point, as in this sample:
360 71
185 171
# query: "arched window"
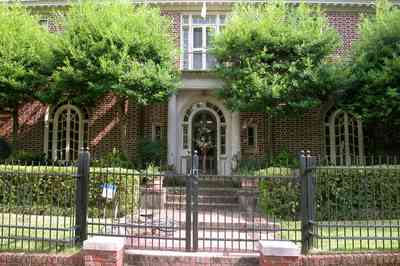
344 138
67 132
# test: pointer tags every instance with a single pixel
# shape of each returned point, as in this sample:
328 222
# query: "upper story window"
196 36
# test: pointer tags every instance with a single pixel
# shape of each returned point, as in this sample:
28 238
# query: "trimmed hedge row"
358 193
341 193
50 190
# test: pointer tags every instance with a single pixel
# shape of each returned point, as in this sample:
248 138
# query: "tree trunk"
15 127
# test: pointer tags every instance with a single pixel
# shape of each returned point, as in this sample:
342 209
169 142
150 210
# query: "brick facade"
346 24
105 120
259 122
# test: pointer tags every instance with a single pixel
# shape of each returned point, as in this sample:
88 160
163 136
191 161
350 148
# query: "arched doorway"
204 140
204 128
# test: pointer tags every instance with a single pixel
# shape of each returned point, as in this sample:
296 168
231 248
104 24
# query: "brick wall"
346 23
31 126
258 121
179 259
296 134
23 259
156 114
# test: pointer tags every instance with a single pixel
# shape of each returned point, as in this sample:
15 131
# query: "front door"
204 141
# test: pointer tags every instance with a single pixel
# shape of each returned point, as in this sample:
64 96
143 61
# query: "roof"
55 3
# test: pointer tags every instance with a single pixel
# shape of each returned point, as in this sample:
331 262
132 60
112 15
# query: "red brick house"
60 130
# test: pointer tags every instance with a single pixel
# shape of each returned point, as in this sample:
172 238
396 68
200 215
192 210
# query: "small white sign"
109 191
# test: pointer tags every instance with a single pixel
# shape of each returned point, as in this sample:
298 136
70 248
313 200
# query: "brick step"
219 183
221 191
177 205
207 198
211 225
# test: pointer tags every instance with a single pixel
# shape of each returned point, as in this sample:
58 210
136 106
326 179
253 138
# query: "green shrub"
151 152
284 158
280 197
358 193
5 149
50 190
28 157
127 183
115 158
341 193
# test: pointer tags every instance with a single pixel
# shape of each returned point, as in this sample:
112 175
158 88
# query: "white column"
172 131
235 137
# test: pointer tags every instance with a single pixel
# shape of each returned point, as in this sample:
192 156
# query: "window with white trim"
67 132
196 35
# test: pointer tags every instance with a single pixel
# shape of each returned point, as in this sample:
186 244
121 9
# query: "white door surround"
181 110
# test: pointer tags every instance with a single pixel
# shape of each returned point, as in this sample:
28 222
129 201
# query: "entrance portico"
197 120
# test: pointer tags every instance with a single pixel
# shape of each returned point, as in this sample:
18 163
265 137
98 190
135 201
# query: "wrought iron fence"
356 208
37 206
323 208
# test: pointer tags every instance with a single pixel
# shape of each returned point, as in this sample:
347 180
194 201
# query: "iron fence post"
195 192
82 191
188 222
307 163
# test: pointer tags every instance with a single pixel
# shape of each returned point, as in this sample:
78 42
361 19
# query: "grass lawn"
39 233
20 232
336 236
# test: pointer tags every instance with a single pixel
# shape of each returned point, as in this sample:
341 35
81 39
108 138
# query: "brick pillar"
104 251
279 253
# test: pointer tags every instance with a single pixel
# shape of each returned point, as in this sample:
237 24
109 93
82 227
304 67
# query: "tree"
274 57
25 54
113 47
374 88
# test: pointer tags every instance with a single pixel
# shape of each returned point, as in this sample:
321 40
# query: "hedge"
341 193
50 190
355 193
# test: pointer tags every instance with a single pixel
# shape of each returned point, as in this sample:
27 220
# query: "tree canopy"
25 54
274 57
113 47
374 88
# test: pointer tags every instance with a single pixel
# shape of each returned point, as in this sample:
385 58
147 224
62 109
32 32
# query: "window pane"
197 60
210 34
185 48
222 19
198 20
197 37
185 20
251 136
211 19
211 61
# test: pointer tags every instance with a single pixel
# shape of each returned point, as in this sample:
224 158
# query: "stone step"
177 205
221 191
207 198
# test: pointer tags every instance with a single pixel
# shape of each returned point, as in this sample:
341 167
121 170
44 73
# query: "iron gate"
195 211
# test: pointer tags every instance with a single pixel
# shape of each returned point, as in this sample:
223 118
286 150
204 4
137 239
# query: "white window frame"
53 115
346 149
203 49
